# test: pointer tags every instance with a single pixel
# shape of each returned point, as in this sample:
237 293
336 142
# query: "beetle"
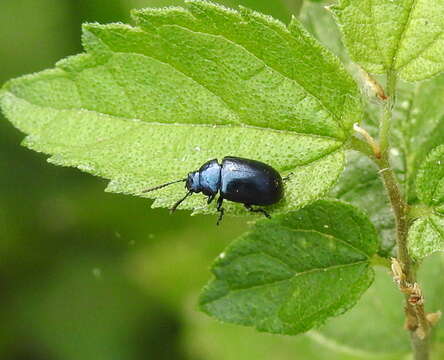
245 181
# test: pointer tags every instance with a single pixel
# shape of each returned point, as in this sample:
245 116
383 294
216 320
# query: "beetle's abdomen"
250 182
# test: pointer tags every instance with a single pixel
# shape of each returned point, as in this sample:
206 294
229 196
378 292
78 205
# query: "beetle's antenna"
173 209
163 185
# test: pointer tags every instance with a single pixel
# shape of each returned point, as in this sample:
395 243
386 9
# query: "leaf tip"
87 26
3 99
294 24
268 19
3 91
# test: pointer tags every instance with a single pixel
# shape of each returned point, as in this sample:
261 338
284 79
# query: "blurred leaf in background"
89 275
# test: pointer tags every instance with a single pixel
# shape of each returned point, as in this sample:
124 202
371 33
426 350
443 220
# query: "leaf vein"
335 117
402 33
329 268
422 51
437 228
344 242
326 137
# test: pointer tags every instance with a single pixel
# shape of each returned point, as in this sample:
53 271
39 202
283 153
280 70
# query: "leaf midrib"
331 308
343 242
402 35
422 51
436 227
271 283
209 125
336 118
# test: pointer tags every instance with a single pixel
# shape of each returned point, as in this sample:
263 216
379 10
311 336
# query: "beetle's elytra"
236 179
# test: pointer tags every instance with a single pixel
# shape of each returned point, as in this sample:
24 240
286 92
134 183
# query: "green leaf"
148 104
280 9
401 35
294 271
430 181
418 128
426 236
322 25
361 185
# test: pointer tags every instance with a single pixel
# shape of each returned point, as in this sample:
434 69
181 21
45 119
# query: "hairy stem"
416 321
384 128
400 210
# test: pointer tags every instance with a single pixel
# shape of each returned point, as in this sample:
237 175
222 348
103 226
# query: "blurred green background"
89 275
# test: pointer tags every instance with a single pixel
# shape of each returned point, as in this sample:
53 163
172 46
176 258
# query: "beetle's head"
193 182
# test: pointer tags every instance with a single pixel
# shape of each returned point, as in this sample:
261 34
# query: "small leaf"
294 271
150 103
426 235
316 19
401 35
430 181
418 128
361 185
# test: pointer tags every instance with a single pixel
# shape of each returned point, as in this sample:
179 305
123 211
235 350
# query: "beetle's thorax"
206 180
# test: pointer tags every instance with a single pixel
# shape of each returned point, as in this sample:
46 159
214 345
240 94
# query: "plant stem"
384 129
420 348
400 209
416 321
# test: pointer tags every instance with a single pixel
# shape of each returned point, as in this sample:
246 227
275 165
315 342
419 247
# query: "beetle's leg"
286 178
258 210
211 198
173 209
220 200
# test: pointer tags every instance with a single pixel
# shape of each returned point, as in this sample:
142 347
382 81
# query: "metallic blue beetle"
244 181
